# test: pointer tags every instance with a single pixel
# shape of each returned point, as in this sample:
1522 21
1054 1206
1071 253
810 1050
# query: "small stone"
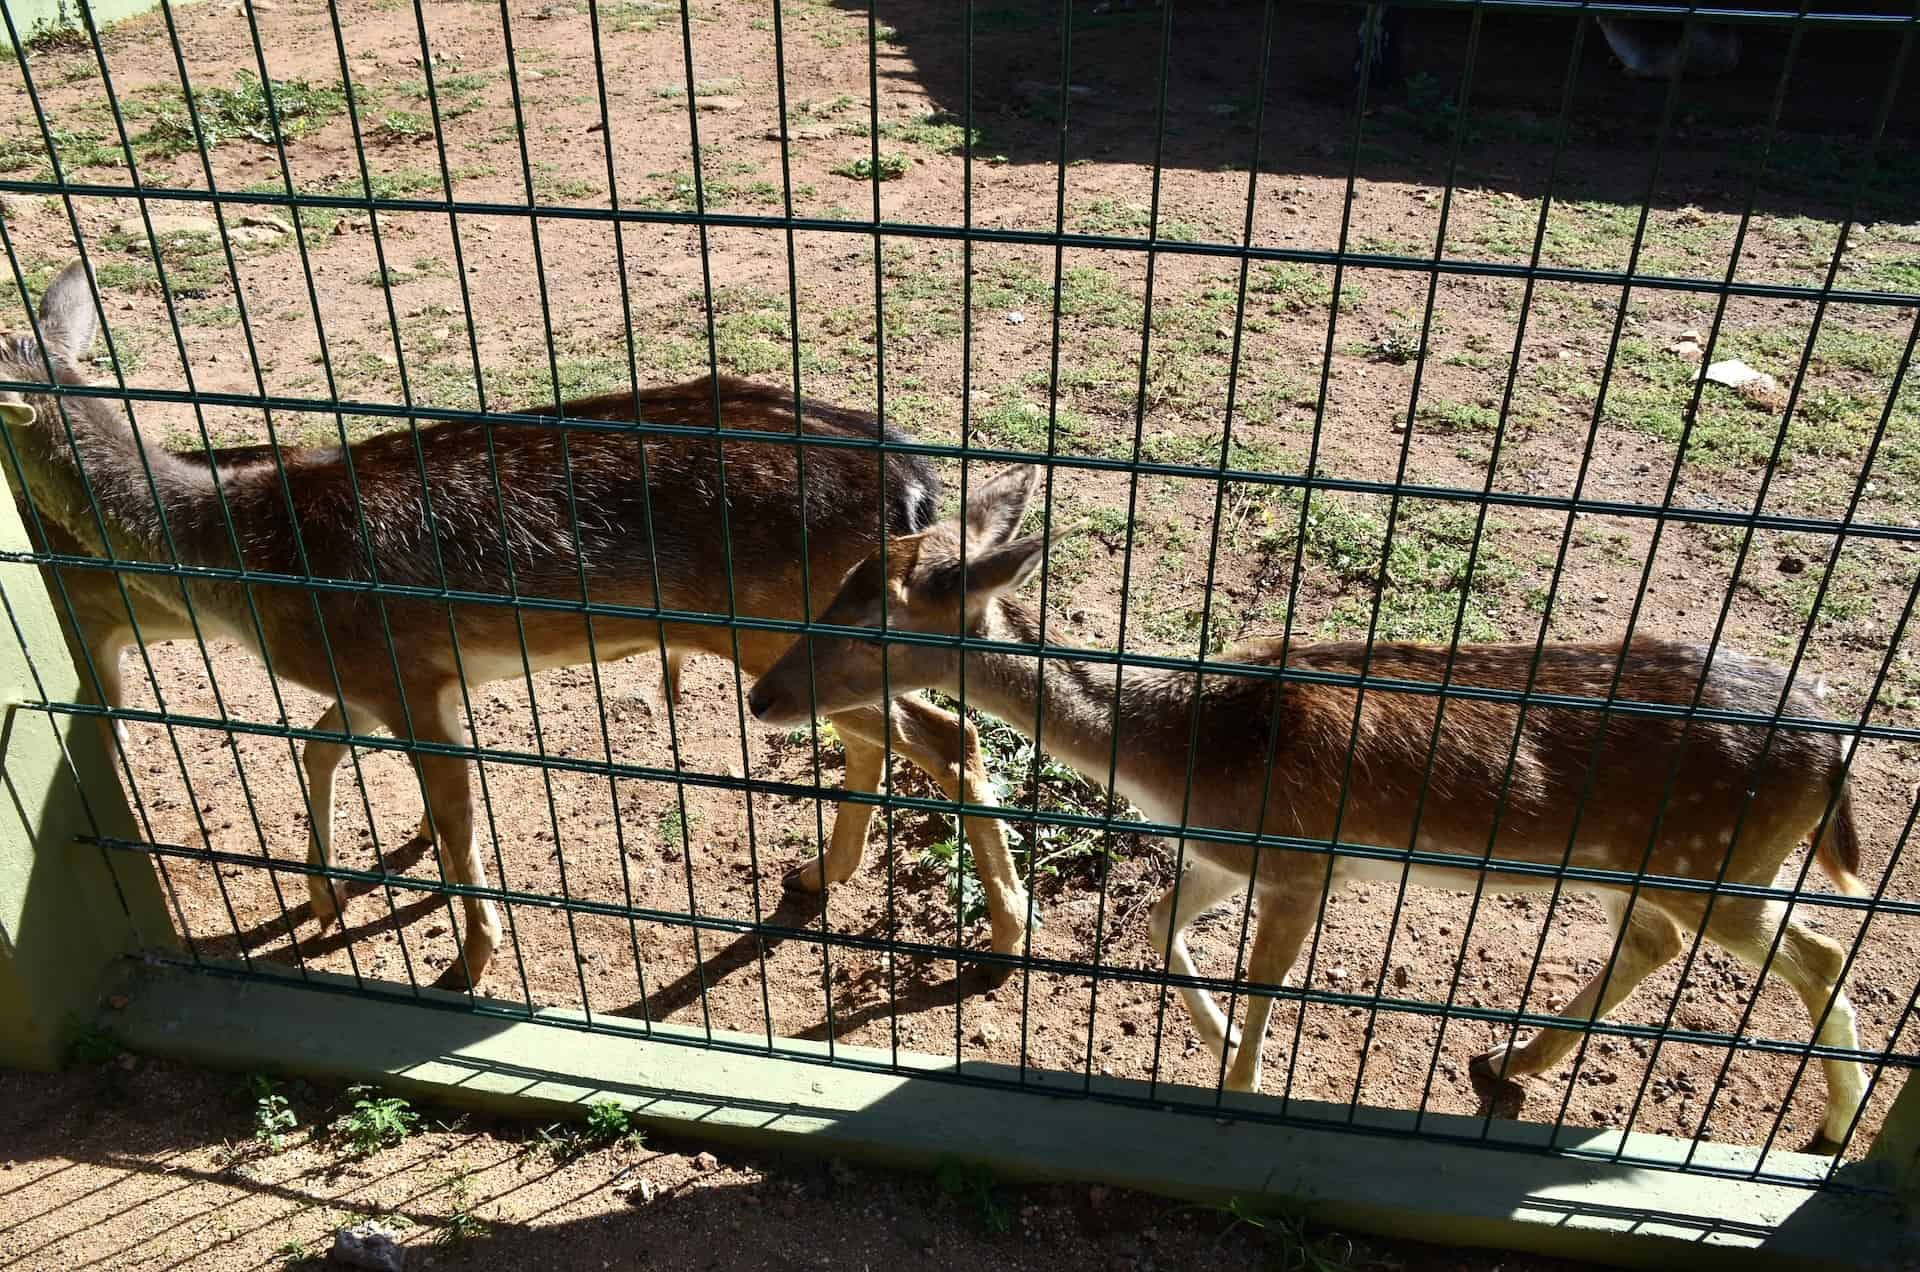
721 103
1401 976
1015 317
253 235
706 1161
266 222
118 1002
368 1245
167 223
1791 564
802 132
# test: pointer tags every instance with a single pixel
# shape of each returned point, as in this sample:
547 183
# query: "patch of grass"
940 133
457 94
890 168
628 16
972 1186
1286 288
1016 424
400 126
1130 220
1424 575
77 148
243 112
1448 416
550 183
374 1122
195 263
701 88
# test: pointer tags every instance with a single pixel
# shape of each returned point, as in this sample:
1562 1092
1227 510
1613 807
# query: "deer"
1412 780
574 513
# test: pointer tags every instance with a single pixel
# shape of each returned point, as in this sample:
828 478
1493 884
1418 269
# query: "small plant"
964 889
273 1116
1398 344
375 1122
1295 1250
93 1046
609 1122
461 1224
973 1185
892 167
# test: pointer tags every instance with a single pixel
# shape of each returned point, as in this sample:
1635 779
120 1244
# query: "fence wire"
1167 420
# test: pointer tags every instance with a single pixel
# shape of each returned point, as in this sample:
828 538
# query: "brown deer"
456 534
1629 759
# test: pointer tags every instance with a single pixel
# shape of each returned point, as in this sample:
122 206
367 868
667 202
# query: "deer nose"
761 700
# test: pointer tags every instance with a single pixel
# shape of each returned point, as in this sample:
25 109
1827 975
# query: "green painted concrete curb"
1424 1190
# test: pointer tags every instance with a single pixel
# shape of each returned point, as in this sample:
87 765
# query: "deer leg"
449 793
947 749
1648 940
1812 964
103 651
670 674
1284 923
1200 888
850 820
321 761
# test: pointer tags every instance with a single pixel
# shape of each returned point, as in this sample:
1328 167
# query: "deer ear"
16 414
996 506
1008 567
67 314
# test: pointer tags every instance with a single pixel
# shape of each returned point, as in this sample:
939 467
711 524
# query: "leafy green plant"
1398 344
273 1116
609 1122
375 1121
93 1046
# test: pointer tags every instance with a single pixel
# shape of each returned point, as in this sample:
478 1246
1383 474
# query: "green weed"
374 1122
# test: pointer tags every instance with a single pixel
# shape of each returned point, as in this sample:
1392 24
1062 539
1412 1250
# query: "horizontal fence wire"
866 945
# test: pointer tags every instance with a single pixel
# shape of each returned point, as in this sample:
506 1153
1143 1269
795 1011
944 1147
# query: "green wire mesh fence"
1375 323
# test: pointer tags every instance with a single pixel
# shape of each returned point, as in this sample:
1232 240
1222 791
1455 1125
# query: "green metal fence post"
67 911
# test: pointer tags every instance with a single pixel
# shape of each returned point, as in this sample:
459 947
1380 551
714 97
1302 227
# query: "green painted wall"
66 913
30 16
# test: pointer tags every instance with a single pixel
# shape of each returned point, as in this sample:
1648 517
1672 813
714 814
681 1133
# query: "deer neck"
1078 706
106 466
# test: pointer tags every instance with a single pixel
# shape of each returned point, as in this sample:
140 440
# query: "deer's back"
504 503
1549 773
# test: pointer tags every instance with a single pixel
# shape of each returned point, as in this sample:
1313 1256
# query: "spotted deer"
575 513
1451 774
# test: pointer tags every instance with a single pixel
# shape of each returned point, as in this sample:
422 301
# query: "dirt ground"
139 1164
1592 385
